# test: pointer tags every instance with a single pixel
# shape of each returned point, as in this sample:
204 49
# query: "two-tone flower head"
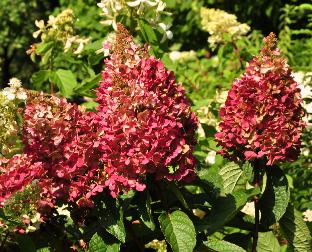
145 119
262 116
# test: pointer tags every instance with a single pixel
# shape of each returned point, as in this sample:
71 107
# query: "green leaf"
149 35
230 174
111 219
275 198
177 192
296 230
25 243
66 81
178 230
43 47
38 78
225 208
267 242
223 246
102 243
88 85
146 211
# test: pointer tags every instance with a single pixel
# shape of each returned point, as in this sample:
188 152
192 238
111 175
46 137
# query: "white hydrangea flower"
41 26
15 83
249 209
63 210
9 93
167 33
307 215
220 23
181 56
211 157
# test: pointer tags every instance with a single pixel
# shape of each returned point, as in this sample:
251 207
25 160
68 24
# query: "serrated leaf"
178 230
111 219
38 78
88 85
149 35
101 243
267 242
296 230
223 246
275 198
230 174
65 81
225 208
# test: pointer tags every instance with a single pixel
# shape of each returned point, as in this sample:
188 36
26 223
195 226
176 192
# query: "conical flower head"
145 118
262 116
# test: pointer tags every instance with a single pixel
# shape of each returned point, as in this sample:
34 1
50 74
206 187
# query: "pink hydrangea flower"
147 124
16 173
57 134
262 116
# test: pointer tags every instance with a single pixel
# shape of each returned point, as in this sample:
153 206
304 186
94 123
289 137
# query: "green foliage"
275 198
100 243
268 243
178 230
295 230
223 246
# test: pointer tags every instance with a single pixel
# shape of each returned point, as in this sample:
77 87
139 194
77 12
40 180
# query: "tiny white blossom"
9 93
41 26
15 83
307 215
249 209
175 55
21 95
211 157
167 33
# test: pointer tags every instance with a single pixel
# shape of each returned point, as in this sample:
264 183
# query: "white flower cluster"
150 10
221 24
305 84
182 56
33 223
61 28
14 91
9 98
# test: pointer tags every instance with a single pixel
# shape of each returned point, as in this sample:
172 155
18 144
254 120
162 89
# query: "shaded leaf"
101 243
226 208
296 230
111 219
275 198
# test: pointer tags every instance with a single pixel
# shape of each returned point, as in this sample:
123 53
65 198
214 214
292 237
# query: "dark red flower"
262 116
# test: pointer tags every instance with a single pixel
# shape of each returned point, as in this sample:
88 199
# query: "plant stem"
257 181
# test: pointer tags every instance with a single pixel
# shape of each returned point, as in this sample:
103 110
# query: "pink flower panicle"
143 126
262 116
145 118
57 134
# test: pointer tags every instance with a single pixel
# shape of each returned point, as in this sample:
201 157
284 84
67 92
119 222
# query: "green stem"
257 181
